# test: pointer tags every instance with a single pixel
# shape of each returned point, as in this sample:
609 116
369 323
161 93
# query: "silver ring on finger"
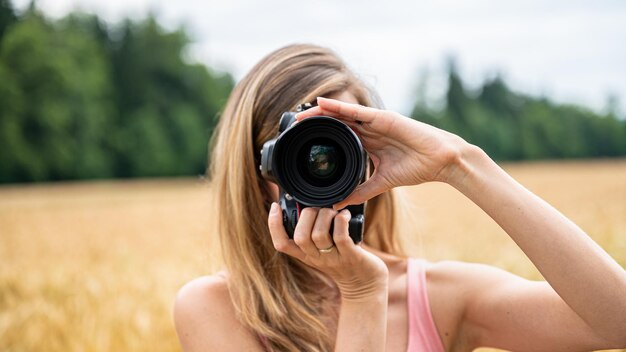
326 250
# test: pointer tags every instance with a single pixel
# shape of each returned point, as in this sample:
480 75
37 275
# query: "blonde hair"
276 296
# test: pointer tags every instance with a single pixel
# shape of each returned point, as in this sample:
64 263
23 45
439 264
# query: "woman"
287 295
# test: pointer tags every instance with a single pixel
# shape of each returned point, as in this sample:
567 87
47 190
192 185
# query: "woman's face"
345 96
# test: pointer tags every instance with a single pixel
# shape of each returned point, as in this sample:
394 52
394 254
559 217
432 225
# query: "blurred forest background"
95 266
81 99
84 99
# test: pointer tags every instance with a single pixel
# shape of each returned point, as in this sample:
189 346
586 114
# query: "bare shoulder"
201 300
452 287
206 319
466 275
496 308
463 281
471 283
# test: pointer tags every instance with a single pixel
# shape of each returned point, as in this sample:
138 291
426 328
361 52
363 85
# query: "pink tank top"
423 335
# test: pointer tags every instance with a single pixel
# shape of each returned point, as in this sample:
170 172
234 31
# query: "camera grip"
291 213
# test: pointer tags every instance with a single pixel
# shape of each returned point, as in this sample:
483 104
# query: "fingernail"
346 213
274 208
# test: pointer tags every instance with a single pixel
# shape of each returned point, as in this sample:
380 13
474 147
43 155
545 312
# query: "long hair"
276 296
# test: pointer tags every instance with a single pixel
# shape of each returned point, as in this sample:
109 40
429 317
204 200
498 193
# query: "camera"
317 162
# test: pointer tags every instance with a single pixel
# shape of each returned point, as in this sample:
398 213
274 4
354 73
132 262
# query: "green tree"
54 116
7 16
503 108
154 85
457 103
81 99
513 126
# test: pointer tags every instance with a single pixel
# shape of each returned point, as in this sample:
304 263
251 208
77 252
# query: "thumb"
369 189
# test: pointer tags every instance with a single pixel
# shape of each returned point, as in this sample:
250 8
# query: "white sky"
572 51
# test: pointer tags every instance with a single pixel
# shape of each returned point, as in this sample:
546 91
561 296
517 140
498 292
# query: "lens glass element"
322 160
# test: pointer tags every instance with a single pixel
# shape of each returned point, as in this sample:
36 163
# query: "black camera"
316 163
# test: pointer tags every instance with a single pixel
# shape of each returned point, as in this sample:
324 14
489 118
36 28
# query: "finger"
341 235
369 189
332 112
347 111
319 111
355 127
302 233
314 111
321 230
280 239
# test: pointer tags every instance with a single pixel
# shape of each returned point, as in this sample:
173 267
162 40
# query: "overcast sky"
572 51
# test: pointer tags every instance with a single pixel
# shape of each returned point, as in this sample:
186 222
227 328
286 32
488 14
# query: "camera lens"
322 160
319 161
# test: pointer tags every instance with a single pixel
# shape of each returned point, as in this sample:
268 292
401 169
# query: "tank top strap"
423 334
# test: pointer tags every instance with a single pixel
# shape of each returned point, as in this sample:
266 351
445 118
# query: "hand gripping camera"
316 163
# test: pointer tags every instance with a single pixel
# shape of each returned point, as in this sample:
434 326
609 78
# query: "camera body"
316 163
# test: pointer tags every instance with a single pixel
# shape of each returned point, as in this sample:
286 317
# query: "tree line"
515 126
81 99
84 99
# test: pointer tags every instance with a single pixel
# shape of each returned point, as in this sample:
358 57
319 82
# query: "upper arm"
505 311
205 318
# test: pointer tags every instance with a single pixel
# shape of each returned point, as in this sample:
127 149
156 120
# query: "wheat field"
95 266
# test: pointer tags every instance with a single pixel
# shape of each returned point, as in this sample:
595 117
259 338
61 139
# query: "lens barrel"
319 161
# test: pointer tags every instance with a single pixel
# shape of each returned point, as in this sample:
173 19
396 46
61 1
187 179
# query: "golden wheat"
95 266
